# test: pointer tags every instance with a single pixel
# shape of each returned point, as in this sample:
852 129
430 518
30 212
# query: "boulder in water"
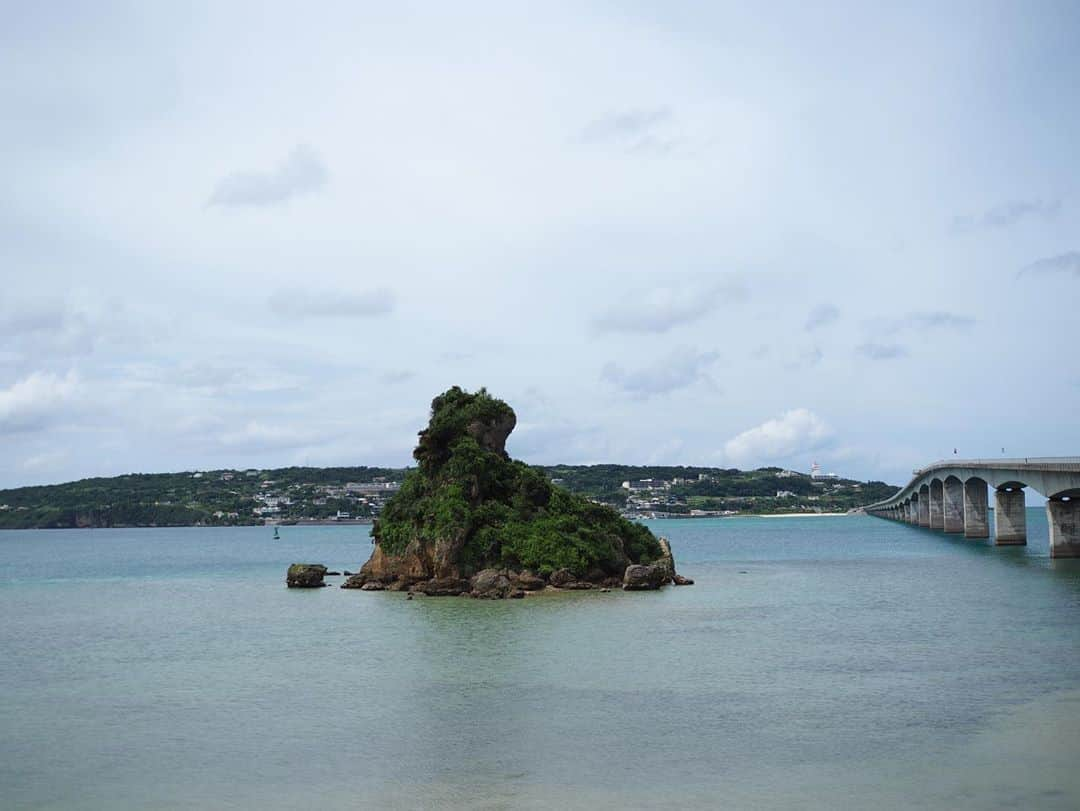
305 576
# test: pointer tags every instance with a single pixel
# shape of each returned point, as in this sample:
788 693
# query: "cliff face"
468 507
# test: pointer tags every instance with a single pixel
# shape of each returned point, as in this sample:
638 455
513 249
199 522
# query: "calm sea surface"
818 663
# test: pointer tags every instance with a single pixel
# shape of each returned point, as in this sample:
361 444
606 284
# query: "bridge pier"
953 505
909 511
1010 517
924 507
976 519
1064 520
937 505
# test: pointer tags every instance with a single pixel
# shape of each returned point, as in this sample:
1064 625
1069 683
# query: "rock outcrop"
644 577
491 584
656 574
442 587
561 577
527 581
305 576
470 520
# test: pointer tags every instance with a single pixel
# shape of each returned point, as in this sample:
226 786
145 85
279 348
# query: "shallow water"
817 663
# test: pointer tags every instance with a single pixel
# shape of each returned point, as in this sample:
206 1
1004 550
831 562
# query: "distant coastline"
318 522
357 495
804 515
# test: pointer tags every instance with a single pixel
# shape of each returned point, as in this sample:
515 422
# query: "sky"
735 234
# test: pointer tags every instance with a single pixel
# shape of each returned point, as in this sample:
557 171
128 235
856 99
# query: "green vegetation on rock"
468 506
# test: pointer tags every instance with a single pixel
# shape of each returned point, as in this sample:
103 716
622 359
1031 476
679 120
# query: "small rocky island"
469 520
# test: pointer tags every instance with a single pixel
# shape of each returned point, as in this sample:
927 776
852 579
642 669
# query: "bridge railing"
1047 464
1057 463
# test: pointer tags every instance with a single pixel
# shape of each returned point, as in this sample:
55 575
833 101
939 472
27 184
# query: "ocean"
822 663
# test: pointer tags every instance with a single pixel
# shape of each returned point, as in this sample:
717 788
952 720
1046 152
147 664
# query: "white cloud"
256 436
879 351
821 316
301 172
32 403
45 462
1068 262
392 377
1006 214
796 431
662 308
683 368
302 303
640 130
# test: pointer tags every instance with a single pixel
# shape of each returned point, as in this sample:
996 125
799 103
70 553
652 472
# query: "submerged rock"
442 587
679 580
305 576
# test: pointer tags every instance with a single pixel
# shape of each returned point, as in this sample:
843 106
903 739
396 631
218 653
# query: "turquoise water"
818 663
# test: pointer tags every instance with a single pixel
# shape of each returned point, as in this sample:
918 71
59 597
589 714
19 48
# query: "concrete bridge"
951 495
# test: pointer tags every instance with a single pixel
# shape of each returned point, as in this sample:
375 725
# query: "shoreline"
798 515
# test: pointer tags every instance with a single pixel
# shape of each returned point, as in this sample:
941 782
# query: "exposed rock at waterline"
305 576
527 581
644 577
491 584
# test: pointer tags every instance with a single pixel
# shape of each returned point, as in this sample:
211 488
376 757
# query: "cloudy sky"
265 234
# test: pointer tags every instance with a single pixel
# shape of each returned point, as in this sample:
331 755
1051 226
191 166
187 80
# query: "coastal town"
767 491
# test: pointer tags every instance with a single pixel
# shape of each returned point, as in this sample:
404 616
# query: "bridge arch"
1010 485
953 504
1073 493
976 516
